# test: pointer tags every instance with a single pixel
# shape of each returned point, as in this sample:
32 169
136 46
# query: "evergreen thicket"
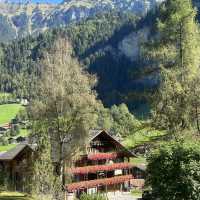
175 53
173 170
90 40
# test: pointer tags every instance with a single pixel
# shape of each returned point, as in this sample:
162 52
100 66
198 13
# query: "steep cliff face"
130 45
19 20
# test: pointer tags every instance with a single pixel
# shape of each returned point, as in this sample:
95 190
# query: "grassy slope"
139 160
7 147
23 133
8 112
4 94
141 137
13 196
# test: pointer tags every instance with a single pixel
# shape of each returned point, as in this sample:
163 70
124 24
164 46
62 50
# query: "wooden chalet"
104 167
15 166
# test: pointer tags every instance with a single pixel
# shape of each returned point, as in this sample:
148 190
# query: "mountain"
108 45
18 20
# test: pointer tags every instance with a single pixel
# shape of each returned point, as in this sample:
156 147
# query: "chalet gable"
15 152
104 139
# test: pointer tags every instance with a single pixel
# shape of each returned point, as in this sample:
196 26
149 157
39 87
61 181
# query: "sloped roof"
94 133
12 153
142 167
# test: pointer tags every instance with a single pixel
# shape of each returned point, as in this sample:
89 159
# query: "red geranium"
94 183
96 168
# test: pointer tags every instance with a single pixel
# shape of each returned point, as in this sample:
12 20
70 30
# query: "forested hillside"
108 45
20 19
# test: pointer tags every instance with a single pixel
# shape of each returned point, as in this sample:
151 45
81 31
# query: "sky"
46 1
33 1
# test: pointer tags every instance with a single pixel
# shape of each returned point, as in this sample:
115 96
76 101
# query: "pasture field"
8 112
14 196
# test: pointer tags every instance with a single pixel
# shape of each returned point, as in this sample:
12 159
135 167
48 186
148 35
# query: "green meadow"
8 112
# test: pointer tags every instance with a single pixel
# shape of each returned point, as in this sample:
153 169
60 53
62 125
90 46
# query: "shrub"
85 196
173 172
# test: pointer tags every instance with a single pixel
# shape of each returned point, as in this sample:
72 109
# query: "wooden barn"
105 166
15 166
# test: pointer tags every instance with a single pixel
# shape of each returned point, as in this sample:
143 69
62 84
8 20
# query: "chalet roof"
12 153
142 167
94 133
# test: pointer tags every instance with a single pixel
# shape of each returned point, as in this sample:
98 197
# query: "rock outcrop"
20 19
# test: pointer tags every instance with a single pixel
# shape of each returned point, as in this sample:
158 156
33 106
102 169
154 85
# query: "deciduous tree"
173 172
65 105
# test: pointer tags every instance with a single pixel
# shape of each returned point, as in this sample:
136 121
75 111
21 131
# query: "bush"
3 141
173 172
14 130
85 196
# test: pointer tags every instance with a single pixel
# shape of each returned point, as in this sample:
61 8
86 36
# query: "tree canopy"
175 52
64 108
173 172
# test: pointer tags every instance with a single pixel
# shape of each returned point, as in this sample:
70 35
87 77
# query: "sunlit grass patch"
7 147
8 112
6 195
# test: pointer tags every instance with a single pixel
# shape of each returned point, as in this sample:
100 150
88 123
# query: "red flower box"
94 183
96 168
104 156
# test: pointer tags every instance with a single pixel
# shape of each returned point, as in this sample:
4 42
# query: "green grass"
23 133
141 137
8 112
14 196
4 94
136 193
7 147
139 160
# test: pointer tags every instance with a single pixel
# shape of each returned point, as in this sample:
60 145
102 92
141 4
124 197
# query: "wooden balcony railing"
95 183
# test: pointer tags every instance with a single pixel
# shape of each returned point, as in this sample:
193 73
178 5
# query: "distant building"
15 164
21 139
2 130
139 173
6 126
12 140
24 102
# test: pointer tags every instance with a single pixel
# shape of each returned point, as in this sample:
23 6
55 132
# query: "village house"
2 131
15 166
105 167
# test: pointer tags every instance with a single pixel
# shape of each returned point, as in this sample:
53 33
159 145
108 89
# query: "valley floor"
122 196
14 196
110 196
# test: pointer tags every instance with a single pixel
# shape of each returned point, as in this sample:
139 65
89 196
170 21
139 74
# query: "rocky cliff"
20 19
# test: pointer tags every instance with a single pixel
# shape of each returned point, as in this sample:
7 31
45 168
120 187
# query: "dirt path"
121 196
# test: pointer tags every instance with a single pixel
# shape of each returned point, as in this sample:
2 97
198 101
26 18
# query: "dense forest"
96 43
98 74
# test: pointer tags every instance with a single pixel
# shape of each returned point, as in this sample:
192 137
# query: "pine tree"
175 50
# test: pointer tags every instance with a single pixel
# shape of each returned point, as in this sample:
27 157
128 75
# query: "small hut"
15 164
